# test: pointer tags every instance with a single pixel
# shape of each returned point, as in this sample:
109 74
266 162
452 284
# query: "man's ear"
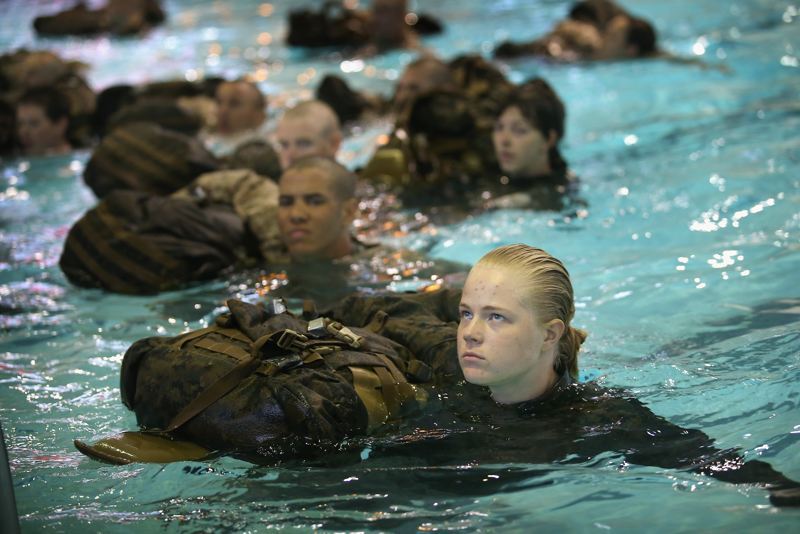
553 330
350 209
336 142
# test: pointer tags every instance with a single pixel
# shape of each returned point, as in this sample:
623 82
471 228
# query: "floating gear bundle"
257 383
138 243
445 143
144 157
333 24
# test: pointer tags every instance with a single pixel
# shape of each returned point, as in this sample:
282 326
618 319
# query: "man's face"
237 108
301 137
37 133
314 223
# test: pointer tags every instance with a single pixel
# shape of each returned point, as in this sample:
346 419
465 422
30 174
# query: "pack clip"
322 326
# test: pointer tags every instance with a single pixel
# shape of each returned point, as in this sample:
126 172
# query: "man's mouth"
298 233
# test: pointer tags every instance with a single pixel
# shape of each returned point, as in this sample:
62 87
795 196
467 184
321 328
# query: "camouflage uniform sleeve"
424 323
652 440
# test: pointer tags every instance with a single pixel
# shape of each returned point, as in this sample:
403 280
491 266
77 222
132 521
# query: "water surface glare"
685 267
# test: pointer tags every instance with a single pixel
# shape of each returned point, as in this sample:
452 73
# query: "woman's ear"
553 330
61 126
552 138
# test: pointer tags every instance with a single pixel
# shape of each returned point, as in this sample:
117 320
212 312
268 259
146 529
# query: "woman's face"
501 342
521 149
37 133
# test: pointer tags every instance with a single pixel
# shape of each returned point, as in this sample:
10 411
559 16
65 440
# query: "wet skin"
314 223
521 149
502 343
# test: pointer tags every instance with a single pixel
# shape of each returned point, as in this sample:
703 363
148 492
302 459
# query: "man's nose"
298 213
290 154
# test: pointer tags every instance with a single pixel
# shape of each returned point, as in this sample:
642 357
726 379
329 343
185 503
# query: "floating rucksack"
257 384
145 157
138 243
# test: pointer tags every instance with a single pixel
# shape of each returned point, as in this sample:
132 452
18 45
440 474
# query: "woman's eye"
496 317
466 314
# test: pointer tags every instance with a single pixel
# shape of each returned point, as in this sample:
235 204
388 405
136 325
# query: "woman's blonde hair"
546 287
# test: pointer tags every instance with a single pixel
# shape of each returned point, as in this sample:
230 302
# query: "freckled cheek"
517 348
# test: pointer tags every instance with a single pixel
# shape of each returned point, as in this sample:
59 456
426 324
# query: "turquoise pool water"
685 267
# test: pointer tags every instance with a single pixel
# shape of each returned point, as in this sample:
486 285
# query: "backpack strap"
385 392
270 354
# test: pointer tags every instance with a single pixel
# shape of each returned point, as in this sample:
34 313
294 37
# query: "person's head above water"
420 76
311 128
515 335
528 129
622 35
43 121
627 37
387 23
240 106
316 208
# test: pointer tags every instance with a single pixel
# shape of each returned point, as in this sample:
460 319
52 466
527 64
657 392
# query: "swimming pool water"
685 266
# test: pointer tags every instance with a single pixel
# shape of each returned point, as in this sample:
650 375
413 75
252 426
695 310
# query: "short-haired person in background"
310 128
42 120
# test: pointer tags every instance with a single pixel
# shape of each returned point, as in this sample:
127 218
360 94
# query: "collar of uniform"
531 406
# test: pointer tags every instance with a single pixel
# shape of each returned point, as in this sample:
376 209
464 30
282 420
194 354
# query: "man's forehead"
306 181
237 89
299 125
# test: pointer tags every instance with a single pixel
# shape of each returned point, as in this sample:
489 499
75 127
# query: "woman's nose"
473 332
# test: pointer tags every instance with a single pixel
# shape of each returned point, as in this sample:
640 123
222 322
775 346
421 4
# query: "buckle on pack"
345 334
291 339
276 306
322 326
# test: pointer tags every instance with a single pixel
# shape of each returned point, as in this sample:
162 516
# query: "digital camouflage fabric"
145 157
262 395
138 243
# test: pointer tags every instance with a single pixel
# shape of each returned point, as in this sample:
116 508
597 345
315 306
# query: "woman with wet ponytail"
514 334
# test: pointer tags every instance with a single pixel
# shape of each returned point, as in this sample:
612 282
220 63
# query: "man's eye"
315 200
304 143
285 201
465 314
284 144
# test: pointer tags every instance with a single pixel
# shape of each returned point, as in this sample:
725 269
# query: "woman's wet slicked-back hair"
545 286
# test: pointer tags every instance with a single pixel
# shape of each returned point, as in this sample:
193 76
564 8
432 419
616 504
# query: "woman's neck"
541 169
534 388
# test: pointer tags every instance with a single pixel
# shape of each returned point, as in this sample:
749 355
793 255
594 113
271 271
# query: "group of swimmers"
462 133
